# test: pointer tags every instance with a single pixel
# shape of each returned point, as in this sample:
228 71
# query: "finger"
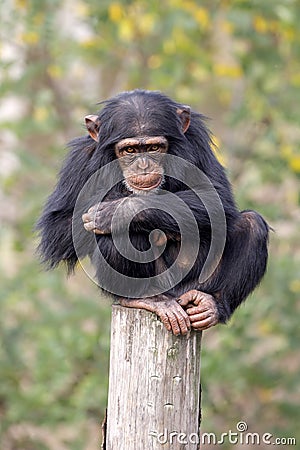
89 226
183 322
174 323
197 310
187 322
182 301
90 217
199 317
165 320
86 217
97 231
200 297
204 324
185 299
190 297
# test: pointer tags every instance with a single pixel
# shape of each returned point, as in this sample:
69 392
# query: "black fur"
148 113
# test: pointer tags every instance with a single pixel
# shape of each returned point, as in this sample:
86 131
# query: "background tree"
236 61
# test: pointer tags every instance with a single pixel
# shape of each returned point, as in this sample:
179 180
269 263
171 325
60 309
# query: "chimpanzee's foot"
201 309
168 310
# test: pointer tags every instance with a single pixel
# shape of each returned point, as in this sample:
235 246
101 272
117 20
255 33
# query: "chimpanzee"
146 162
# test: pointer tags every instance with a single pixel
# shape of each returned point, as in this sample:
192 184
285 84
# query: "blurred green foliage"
236 61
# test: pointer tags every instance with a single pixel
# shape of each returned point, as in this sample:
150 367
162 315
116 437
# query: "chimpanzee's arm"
55 223
149 212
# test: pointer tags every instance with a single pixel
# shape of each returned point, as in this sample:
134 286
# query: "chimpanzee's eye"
129 150
154 148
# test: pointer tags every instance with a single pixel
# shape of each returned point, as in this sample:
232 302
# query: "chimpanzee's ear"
184 113
92 123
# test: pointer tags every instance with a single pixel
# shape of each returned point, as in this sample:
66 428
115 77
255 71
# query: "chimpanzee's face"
141 154
141 160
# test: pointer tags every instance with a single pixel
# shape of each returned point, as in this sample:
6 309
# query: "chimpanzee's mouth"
145 181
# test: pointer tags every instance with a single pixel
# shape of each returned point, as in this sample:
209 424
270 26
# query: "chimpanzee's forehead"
135 123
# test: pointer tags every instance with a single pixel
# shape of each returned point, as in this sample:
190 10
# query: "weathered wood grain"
154 385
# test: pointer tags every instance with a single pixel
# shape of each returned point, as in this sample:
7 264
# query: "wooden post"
154 385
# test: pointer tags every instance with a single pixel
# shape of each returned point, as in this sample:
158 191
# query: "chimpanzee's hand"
171 314
201 309
99 217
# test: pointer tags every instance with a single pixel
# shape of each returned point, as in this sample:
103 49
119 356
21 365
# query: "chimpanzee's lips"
145 181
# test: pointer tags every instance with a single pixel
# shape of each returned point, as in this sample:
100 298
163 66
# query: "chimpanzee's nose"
143 163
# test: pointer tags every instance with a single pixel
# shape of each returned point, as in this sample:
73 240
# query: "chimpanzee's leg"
242 266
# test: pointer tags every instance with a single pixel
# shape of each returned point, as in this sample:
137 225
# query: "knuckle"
194 292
